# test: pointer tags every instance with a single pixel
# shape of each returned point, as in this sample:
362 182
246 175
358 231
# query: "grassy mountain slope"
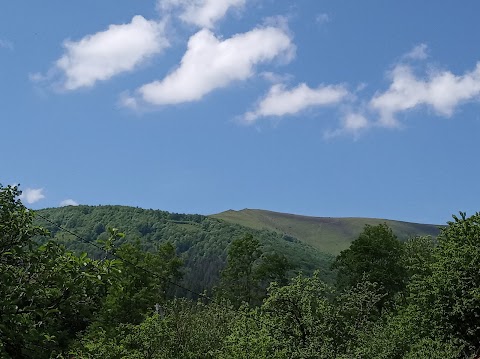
201 241
329 235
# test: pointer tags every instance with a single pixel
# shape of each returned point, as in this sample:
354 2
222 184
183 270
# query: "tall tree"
239 283
449 297
376 256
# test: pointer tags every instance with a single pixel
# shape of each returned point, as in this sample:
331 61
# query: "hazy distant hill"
329 235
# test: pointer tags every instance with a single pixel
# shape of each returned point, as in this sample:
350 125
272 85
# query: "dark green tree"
376 256
143 282
273 267
47 294
449 297
249 271
239 282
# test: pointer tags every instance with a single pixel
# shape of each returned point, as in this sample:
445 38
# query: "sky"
314 107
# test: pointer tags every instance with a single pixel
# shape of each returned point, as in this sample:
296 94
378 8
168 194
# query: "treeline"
391 299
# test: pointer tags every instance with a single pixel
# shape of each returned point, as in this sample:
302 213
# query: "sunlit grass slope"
328 234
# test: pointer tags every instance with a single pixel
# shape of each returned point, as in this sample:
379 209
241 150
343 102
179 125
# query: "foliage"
58 303
418 256
200 241
142 283
450 295
310 320
181 329
47 294
238 278
250 337
376 255
249 271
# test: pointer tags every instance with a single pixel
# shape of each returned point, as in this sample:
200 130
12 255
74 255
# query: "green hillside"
200 240
327 234
414 299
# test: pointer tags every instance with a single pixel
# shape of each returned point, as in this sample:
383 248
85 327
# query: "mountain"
327 234
310 243
201 241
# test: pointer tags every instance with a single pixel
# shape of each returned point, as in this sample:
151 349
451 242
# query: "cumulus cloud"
281 101
202 13
68 202
32 195
440 90
210 63
100 56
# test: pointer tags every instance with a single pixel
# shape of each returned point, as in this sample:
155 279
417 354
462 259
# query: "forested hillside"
200 241
390 299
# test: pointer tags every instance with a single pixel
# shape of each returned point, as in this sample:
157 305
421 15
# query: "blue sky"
323 108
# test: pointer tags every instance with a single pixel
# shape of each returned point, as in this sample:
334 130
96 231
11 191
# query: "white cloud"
419 52
68 202
100 56
280 101
210 63
440 90
352 123
202 13
32 195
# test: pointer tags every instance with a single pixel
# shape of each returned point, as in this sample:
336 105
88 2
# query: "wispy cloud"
281 101
322 18
352 124
202 13
32 195
5 44
210 63
68 202
440 90
100 56
419 52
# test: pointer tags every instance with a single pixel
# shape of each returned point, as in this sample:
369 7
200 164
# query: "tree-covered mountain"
394 299
327 234
201 241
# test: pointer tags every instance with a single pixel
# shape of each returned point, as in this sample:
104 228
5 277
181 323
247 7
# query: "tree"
449 297
47 294
376 256
273 267
418 256
143 282
239 283
310 319
249 271
183 329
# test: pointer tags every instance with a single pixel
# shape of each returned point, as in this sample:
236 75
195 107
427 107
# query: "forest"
119 282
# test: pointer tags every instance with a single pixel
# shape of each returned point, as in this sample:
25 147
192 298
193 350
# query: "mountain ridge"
328 234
